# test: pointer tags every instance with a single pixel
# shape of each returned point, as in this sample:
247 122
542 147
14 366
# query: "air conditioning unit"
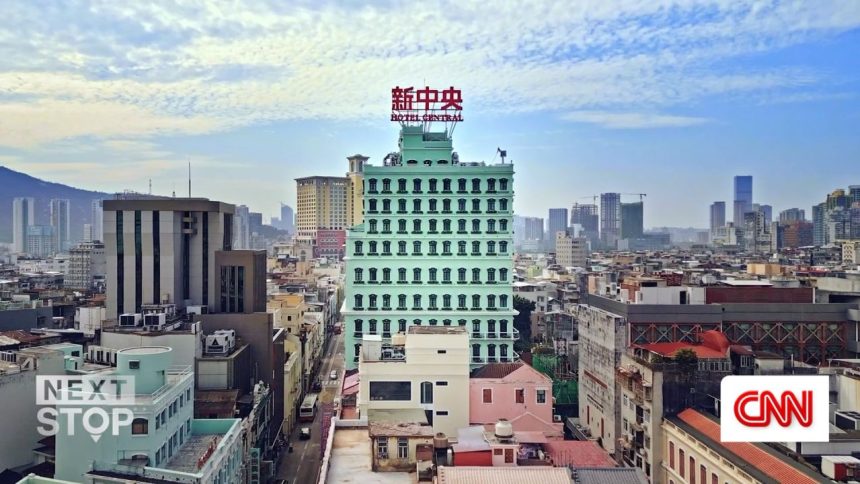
556 418
130 320
221 342
154 322
197 310
101 355
847 420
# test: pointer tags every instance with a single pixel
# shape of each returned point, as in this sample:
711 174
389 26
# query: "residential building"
23 216
610 219
399 438
693 452
87 264
88 233
492 475
162 251
515 392
792 215
97 221
556 222
571 251
757 237
164 441
602 340
435 243
818 227
536 292
585 218
743 198
533 232
355 189
632 220
718 217
426 369
797 234
330 244
41 241
240 276
767 211
321 204
61 223
242 228
727 235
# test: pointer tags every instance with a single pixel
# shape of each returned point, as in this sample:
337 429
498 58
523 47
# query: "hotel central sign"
426 104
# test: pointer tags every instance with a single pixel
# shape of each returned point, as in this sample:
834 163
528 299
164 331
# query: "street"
302 465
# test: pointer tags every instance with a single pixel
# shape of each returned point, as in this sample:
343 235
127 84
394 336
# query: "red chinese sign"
425 104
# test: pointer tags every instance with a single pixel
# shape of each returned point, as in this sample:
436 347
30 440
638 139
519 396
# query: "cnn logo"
774 408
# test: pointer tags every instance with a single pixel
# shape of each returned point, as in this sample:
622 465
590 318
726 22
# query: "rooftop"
493 475
407 422
437 330
497 370
195 446
617 475
577 453
350 461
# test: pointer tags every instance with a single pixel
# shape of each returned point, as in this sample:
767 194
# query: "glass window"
386 226
461 184
416 185
476 301
401 323
386 275
358 248
461 300
432 275
487 395
386 247
401 301
503 184
476 247
401 225
358 273
416 226
446 184
416 247
358 301
382 447
386 205
446 275
416 301
416 205
541 396
446 301
476 184
476 205
426 392
432 248
416 275
461 274
432 184
476 275
401 247
402 448
372 184
461 225
401 275
140 426
461 247
503 204
476 226
401 184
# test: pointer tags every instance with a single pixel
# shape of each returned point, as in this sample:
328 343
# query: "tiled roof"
497 370
616 475
669 349
753 455
578 453
494 475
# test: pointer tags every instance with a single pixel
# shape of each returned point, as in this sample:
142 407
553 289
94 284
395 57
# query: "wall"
718 295
187 346
527 416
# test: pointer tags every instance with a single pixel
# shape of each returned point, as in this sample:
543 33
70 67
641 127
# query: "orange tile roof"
577 453
669 349
752 454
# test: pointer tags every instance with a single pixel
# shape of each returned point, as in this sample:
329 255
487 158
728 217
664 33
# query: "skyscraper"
556 222
767 211
23 216
818 228
610 219
434 249
586 216
355 189
792 215
242 228
60 221
632 220
718 217
743 198
97 218
321 204
41 241
288 219
163 250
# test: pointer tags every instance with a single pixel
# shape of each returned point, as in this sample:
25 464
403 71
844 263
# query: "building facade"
585 217
23 216
556 222
242 228
97 220
632 220
355 190
434 249
86 262
61 223
163 251
41 241
718 217
571 251
743 199
610 219
322 204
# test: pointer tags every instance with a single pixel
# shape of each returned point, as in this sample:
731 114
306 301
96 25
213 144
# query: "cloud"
133 70
633 120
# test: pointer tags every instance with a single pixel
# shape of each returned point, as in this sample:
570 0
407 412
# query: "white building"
61 223
242 228
41 241
536 292
23 216
571 251
86 262
427 369
97 221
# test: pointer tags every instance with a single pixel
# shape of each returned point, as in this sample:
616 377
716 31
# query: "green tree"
688 364
522 321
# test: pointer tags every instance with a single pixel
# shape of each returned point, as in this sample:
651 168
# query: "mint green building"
435 248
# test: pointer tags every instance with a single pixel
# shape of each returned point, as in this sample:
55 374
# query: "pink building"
516 392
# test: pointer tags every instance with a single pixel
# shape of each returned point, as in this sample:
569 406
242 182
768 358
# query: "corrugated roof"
578 453
669 349
495 475
617 475
497 370
753 455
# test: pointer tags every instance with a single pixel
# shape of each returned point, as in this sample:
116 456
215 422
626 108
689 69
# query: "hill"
16 184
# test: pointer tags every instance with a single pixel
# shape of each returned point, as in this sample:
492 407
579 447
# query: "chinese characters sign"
426 104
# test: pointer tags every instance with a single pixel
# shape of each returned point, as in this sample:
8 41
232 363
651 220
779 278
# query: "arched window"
461 225
461 274
432 203
432 274
371 205
446 185
476 226
372 185
386 226
503 225
386 247
401 185
426 392
416 226
476 205
416 185
503 204
476 275
446 322
416 301
358 247
372 247
401 301
491 226
140 426
358 301
491 302
416 275
371 326
503 247
401 275
461 185
386 301
503 184
503 275
372 226
386 327
432 187
401 206
446 205
401 247
476 247
446 225
461 301
401 325
432 249
446 275
476 301
503 301
401 225
446 301
372 273
476 185
461 247
491 275
386 185
432 226
358 274
358 328
386 205
446 247
491 247
416 247
491 184
372 301
416 206
432 303
416 322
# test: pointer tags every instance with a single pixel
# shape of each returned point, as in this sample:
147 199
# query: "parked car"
317 386
333 375
305 433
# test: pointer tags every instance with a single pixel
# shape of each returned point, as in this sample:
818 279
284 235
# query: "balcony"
358 334
477 335
479 359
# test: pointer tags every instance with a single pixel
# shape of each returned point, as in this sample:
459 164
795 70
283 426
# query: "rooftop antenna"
189 178
150 186
502 153
174 189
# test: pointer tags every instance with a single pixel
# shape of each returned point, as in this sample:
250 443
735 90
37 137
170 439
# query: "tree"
522 321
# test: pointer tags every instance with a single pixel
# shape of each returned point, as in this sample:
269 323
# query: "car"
317 386
304 433
333 375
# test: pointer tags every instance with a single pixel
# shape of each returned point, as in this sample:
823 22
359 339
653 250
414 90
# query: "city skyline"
579 103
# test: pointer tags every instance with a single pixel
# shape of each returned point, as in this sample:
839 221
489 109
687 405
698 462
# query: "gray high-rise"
610 219
743 198
632 220
23 216
556 222
586 216
718 216
60 221
288 219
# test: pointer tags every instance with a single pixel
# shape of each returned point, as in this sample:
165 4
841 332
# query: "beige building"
571 251
321 204
292 385
355 190
289 310
427 369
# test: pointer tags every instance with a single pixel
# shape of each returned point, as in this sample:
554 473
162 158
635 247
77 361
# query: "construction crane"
593 197
641 195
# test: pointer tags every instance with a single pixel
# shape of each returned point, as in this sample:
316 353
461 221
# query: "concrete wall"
187 346
25 318
527 416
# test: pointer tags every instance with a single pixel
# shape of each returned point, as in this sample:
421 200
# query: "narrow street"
302 465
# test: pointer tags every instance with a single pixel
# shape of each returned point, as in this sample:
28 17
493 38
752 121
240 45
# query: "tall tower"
98 226
610 219
632 220
288 219
743 198
60 221
23 216
434 249
321 205
718 217
355 190
556 222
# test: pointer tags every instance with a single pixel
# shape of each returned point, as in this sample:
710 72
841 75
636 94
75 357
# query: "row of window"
382 448
173 443
434 186
372 326
505 351
519 395
491 205
433 248
433 302
432 275
140 426
463 227
682 469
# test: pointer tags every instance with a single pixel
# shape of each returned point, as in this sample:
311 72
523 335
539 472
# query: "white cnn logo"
779 408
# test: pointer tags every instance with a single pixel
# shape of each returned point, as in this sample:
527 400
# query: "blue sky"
667 97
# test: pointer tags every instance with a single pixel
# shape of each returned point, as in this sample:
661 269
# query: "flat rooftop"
185 460
437 330
350 461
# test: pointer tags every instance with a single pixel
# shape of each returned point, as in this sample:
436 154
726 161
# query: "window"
442 413
416 275
432 183
401 185
401 226
401 247
487 395
491 226
372 226
520 395
681 462
503 351
358 301
386 301
372 326
391 390
692 470
401 301
446 301
503 205
446 226
446 184
433 301
139 426
503 301
461 274
503 275
416 185
416 226
382 447
476 247
671 455
461 301
703 475
416 206
432 227
446 275
401 275
386 326
446 322
476 226
491 275
372 184
426 392
358 247
372 273
503 247
509 456
416 301
372 301
358 325
372 248
432 249
371 205
503 184
432 274
416 247
491 184
541 396
401 323
461 225
386 205
715 479
476 275
358 273
491 301
386 275
476 185
402 448
461 184
446 205
476 205
386 229
476 301
461 247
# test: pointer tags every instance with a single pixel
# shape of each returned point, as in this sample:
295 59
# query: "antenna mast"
189 178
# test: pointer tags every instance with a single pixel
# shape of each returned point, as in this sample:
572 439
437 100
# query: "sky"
666 97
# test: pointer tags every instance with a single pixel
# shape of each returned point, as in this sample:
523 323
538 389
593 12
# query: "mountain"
16 184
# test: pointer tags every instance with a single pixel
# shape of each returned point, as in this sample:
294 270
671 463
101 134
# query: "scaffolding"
565 388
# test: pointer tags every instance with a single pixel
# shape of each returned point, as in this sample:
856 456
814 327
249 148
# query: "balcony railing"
479 359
